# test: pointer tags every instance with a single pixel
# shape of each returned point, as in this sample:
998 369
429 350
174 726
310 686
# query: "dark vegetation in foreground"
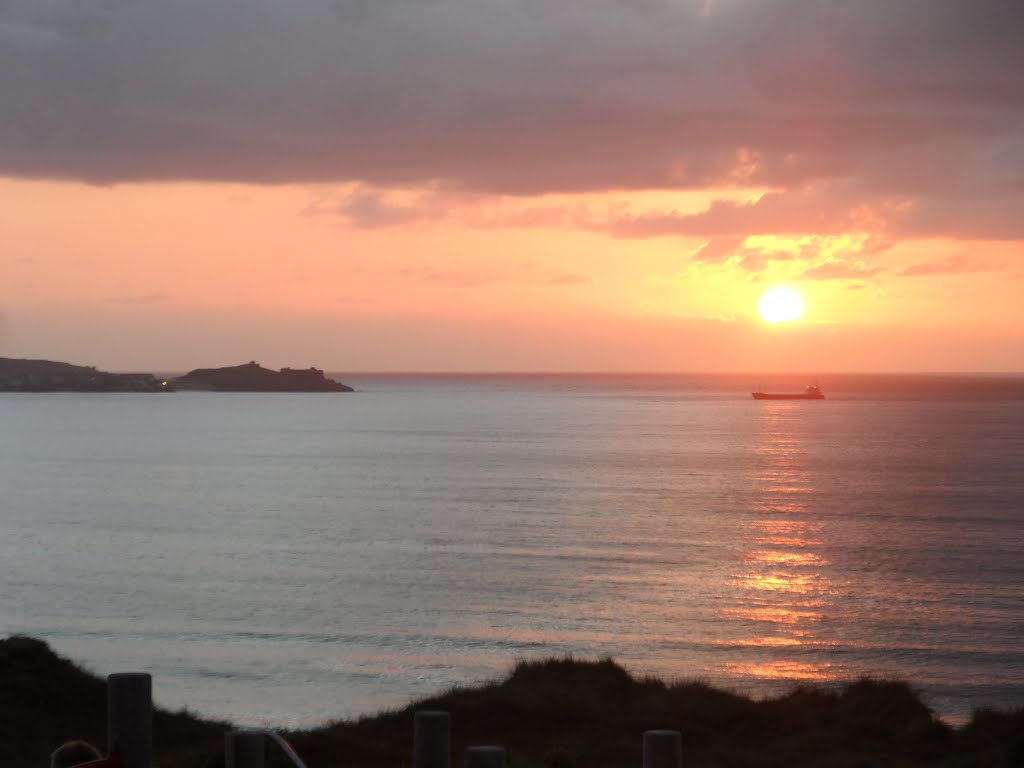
558 713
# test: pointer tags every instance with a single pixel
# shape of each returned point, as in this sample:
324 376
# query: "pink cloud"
955 265
841 270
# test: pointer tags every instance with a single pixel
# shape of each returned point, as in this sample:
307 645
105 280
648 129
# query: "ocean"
290 559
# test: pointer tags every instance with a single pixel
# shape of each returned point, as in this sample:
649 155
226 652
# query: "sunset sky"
512 185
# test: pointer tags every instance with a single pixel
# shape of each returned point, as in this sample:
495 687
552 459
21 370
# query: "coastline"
45 376
553 713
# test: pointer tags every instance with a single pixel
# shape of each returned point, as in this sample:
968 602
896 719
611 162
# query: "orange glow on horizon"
482 283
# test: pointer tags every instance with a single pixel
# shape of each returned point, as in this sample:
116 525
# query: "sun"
780 305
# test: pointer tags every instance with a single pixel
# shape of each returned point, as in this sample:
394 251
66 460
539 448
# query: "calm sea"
290 559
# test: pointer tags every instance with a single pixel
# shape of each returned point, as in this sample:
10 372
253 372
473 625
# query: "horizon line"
524 373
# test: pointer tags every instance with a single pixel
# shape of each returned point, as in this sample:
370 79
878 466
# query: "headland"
18 375
252 377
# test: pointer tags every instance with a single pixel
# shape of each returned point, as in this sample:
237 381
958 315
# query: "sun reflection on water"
780 593
785 670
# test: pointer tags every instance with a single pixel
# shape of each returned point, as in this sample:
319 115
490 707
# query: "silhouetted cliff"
252 377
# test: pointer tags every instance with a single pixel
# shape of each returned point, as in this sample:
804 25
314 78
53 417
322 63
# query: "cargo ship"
813 392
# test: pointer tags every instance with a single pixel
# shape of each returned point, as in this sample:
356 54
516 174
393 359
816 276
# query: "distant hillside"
252 377
558 713
49 376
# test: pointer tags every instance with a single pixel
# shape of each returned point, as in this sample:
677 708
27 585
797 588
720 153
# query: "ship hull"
787 396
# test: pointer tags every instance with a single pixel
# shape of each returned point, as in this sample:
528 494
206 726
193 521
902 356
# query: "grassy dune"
559 713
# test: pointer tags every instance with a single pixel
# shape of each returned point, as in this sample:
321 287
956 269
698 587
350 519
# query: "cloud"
840 206
369 207
840 270
955 265
798 212
842 257
880 103
370 211
718 250
517 94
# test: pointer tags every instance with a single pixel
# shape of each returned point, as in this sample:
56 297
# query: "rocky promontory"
252 377
19 375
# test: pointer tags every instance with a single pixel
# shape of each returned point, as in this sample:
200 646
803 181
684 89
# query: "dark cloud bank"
908 106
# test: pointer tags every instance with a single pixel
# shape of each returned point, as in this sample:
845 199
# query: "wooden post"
130 718
485 757
663 749
431 739
243 749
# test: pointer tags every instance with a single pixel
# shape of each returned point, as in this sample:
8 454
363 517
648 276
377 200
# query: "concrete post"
663 749
130 718
431 740
243 749
485 757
